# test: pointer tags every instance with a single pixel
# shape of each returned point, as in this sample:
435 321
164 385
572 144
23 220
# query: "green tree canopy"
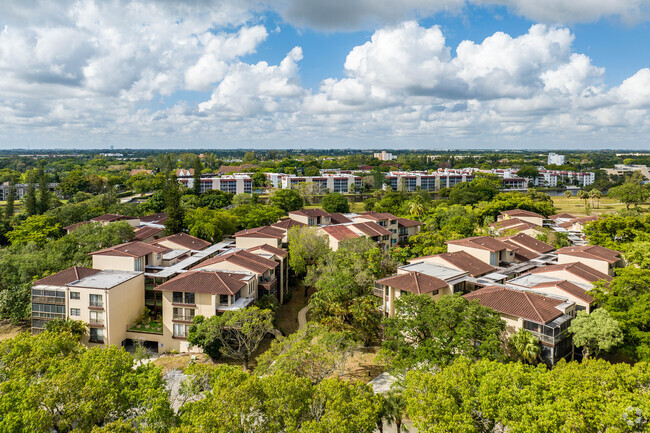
335 202
596 333
287 200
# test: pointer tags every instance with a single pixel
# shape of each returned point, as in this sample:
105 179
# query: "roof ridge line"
533 305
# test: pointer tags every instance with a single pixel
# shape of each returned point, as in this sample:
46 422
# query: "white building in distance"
555 159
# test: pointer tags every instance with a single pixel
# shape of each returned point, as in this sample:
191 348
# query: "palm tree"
594 195
567 194
525 345
583 195
416 208
395 409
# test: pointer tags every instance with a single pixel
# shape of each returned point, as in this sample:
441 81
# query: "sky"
300 74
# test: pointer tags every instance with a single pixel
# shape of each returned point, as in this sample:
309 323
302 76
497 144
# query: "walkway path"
302 317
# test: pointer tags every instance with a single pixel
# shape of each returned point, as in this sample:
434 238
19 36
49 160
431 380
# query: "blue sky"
355 73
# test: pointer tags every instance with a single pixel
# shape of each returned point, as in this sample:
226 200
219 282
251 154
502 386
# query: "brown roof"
339 218
110 217
522 254
287 223
184 240
371 229
595 252
135 171
514 224
144 232
225 169
463 261
405 222
132 249
518 303
310 212
212 282
578 269
185 172
562 215
75 226
270 249
568 287
414 282
340 232
377 216
482 242
244 259
261 232
156 218
67 276
521 212
531 243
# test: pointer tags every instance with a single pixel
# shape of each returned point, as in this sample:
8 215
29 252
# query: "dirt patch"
170 362
9 330
363 366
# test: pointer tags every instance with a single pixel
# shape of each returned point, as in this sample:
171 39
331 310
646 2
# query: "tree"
395 408
583 195
259 179
74 182
479 189
416 208
10 207
630 193
44 194
627 300
76 328
287 199
29 200
596 332
198 167
209 224
312 352
306 247
256 215
37 228
205 336
594 195
238 331
525 346
215 199
308 191
528 172
567 194
335 202
425 331
172 196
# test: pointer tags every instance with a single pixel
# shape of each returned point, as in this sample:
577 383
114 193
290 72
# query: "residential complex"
239 183
555 159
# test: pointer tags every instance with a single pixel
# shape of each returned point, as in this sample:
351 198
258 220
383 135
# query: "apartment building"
106 300
265 235
489 250
130 256
555 159
239 183
341 182
516 225
623 169
182 241
285 225
412 181
545 317
523 215
527 247
200 292
552 178
111 218
573 291
384 156
575 272
265 270
281 257
21 190
460 260
148 233
310 217
599 258
342 232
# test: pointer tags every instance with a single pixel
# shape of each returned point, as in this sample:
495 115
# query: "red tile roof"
75 226
261 232
377 216
529 242
562 215
131 249
339 218
521 212
340 232
568 287
595 252
405 222
518 303
156 218
578 269
212 282
110 217
514 224
142 233
243 259
269 249
414 282
66 276
371 229
287 223
463 261
309 212
185 241
482 242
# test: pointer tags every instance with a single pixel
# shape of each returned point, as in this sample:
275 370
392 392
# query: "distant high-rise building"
384 156
555 159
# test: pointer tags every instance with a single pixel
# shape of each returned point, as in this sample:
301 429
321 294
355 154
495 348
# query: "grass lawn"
9 330
363 366
152 327
576 207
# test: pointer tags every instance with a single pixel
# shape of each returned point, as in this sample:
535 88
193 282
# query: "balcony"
269 285
96 321
183 317
378 291
147 326
44 315
51 300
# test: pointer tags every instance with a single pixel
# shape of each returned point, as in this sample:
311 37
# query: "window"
74 295
96 318
138 264
96 335
181 330
96 301
189 298
385 237
186 314
223 299
75 312
183 298
177 297
435 292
